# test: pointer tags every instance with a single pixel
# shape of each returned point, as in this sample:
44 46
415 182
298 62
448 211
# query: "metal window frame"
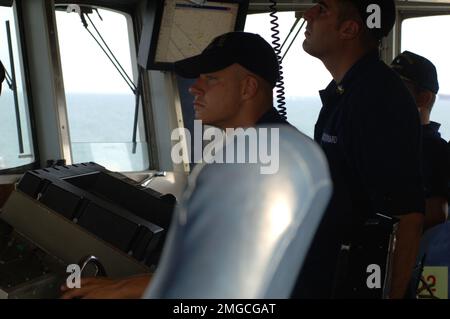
22 46
146 126
407 10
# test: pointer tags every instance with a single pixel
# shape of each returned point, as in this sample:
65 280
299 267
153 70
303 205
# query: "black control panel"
109 205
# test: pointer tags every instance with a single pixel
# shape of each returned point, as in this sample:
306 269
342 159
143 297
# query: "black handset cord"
277 47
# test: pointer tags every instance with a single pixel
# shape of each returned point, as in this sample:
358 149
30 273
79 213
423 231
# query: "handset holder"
372 244
91 259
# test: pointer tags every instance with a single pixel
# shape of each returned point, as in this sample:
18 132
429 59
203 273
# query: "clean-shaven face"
322 34
217 96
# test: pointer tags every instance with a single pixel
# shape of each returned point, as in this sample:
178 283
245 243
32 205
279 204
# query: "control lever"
147 180
90 259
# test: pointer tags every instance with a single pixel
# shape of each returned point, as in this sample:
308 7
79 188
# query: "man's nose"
310 13
195 89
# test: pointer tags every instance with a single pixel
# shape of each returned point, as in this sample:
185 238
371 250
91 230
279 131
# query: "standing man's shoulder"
441 153
385 79
448 155
383 87
273 118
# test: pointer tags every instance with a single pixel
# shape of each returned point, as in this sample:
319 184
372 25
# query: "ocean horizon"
101 127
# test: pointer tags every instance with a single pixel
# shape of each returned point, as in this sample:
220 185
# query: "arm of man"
106 288
408 237
436 177
436 211
386 153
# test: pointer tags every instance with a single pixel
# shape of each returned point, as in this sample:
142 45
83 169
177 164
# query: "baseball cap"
416 69
387 10
247 49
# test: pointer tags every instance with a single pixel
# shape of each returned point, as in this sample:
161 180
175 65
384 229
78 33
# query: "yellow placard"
433 283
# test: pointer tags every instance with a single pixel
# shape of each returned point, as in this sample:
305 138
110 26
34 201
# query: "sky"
80 53
300 70
427 37
85 67
305 75
6 14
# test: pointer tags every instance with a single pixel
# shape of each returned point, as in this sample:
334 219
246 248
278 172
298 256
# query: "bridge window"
433 45
303 74
16 143
99 93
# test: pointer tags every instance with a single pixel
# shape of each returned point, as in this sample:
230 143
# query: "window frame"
425 11
146 121
16 6
409 10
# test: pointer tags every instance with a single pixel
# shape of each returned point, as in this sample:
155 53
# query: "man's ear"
250 87
349 29
424 99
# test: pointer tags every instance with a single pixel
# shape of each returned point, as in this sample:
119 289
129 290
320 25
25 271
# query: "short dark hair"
348 10
357 9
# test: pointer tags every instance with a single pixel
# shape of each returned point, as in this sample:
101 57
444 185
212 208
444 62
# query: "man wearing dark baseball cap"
235 74
374 159
420 77
235 77
417 70
247 49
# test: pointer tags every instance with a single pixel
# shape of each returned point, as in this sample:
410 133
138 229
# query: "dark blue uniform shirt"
435 161
272 116
369 129
448 166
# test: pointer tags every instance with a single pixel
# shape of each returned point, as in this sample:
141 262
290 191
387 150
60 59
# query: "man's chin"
308 49
197 116
307 46
204 121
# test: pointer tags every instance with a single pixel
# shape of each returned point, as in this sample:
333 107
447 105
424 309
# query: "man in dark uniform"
448 189
369 129
420 77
